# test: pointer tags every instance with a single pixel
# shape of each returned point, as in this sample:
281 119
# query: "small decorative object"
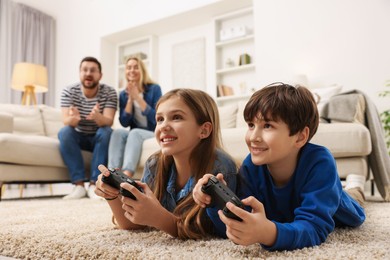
245 59
243 88
229 63
225 34
232 32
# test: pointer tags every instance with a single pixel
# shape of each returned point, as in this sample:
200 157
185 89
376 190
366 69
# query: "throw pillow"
227 116
322 95
240 114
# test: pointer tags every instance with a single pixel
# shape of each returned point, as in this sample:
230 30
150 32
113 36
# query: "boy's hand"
254 228
201 198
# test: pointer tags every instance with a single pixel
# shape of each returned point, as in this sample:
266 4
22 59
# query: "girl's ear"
302 137
206 129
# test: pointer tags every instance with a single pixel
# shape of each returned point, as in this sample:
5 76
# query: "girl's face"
133 71
177 131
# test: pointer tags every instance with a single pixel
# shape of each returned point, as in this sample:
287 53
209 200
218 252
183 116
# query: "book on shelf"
223 90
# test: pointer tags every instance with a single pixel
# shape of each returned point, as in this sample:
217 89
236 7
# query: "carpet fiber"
60 229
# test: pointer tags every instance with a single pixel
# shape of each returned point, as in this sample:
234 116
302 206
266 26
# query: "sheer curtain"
28 36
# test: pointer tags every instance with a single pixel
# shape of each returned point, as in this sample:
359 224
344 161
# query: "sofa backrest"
231 115
34 120
52 120
27 120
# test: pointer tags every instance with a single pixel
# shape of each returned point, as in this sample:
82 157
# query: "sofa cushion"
227 115
32 150
27 119
52 120
322 95
7 122
352 165
344 139
240 114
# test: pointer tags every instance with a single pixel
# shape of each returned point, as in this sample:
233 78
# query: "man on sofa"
88 110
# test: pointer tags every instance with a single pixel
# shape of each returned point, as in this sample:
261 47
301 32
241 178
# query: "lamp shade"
28 74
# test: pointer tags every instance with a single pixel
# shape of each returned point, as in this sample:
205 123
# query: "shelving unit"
144 47
234 36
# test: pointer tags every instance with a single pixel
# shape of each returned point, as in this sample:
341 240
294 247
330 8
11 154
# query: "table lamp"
30 78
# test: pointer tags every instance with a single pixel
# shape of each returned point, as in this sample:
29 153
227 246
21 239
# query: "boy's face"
270 143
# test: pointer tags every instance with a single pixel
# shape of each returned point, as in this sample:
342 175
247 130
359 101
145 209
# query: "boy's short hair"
295 106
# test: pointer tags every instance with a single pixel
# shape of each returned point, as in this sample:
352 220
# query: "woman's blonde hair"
202 158
145 78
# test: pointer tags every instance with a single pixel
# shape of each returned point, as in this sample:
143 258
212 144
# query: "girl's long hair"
191 219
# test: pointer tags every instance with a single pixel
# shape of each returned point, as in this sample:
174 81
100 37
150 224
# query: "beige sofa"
350 143
29 148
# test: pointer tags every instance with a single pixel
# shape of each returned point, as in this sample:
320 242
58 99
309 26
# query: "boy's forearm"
270 232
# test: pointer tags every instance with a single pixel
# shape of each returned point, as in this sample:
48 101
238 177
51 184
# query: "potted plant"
385 117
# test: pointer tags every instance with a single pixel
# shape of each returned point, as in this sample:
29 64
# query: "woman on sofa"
188 132
137 105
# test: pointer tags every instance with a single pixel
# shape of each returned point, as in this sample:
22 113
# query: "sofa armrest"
7 122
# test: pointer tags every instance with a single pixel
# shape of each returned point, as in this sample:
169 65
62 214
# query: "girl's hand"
201 198
102 189
146 209
254 228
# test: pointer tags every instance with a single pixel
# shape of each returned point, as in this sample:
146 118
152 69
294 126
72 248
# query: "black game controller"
116 178
220 195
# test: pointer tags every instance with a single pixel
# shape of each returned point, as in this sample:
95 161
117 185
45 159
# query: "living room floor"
28 191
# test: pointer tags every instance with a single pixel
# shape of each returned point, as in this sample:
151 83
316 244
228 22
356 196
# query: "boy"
291 186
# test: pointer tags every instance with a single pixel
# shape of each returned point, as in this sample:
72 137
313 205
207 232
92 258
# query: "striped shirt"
74 96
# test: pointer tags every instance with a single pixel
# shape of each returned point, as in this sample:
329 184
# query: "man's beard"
94 85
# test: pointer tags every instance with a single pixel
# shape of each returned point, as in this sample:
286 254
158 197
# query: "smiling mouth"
258 149
168 139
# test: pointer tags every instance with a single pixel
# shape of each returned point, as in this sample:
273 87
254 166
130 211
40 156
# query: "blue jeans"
71 144
125 148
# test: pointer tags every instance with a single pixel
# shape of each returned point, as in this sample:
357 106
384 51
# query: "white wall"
82 23
345 42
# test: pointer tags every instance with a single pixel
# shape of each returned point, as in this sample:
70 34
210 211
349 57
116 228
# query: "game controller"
116 177
220 195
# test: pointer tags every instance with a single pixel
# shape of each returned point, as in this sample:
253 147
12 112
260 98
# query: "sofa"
29 147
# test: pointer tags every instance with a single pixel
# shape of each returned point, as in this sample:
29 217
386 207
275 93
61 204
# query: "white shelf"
241 78
235 41
236 69
145 45
232 99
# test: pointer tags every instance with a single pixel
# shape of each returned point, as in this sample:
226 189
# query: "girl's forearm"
119 215
167 222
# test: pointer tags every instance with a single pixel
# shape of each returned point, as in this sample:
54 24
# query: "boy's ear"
206 129
302 137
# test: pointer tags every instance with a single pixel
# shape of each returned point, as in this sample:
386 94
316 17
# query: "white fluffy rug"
82 229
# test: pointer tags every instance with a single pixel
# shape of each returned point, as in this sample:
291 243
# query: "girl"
136 110
188 132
